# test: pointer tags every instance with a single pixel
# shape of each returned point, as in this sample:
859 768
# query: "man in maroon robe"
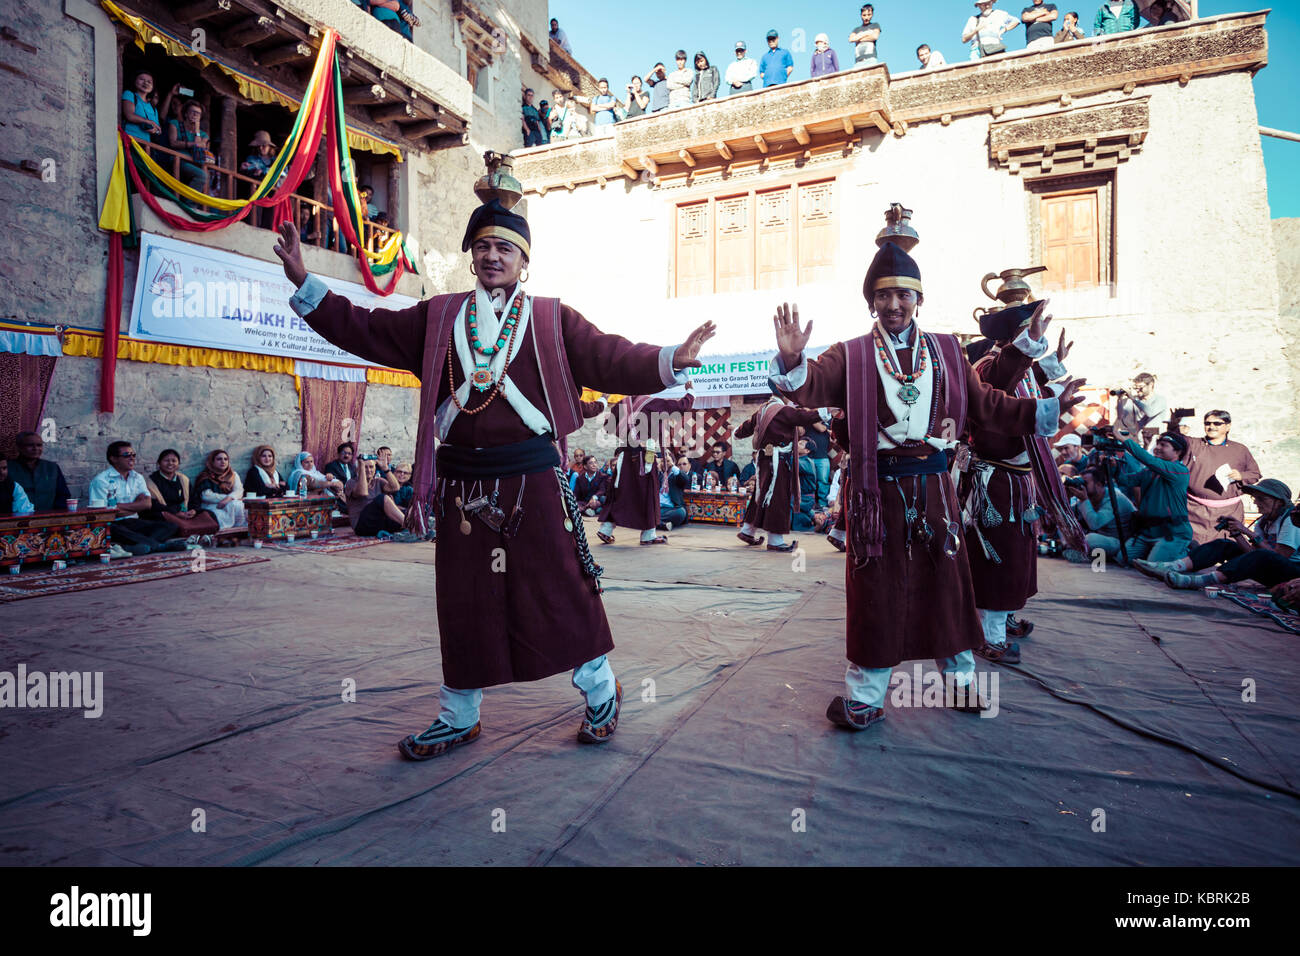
775 428
1012 480
1220 469
907 395
633 500
517 591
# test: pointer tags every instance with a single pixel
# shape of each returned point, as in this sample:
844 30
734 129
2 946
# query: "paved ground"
222 695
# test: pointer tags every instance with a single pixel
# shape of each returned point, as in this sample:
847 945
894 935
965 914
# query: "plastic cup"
59 566
257 542
289 537
71 504
98 503
105 559
314 534
291 494
15 569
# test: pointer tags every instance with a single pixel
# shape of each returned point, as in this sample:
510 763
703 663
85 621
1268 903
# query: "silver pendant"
1032 514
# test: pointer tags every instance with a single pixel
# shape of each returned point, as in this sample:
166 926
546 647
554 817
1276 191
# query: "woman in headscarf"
304 467
221 492
170 489
263 478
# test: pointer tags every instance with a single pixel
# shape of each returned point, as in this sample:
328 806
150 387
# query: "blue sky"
628 38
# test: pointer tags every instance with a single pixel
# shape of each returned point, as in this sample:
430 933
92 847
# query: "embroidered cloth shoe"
749 538
836 543
657 539
600 722
605 538
437 740
1008 653
1019 628
853 714
787 547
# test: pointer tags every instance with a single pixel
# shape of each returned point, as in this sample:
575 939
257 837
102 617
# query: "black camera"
1075 482
1102 438
1223 524
1118 391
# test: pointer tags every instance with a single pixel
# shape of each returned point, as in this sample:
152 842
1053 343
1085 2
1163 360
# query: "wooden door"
816 231
694 250
775 246
735 243
1071 240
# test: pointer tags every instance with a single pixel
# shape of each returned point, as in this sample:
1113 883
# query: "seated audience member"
1165 532
220 491
305 477
371 508
263 479
42 481
577 463
1093 506
384 466
720 464
590 487
1266 552
170 489
804 518
344 466
711 482
121 486
672 500
405 493
1069 451
749 471
13 500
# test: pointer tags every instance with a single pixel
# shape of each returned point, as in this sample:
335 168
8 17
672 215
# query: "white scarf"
911 421
777 452
272 480
489 309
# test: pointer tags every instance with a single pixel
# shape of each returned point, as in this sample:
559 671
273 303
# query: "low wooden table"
55 535
274 519
716 507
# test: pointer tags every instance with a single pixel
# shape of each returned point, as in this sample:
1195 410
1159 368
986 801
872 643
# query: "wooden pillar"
229 144
394 204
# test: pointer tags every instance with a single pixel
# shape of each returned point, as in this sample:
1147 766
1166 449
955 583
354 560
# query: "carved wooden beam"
283 54
364 95
848 125
248 31
801 135
393 111
447 141
879 121
686 158
651 165
194 12
724 150
629 172
760 143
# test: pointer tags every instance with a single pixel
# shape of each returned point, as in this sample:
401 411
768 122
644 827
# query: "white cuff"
788 381
309 296
1052 367
1034 348
1056 388
666 373
1047 420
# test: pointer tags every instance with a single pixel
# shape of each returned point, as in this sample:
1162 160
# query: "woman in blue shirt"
139 115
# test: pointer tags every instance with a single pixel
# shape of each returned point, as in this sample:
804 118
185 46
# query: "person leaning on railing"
139 114
187 136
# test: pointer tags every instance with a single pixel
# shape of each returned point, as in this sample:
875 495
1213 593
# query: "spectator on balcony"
309 225
1070 30
531 122
602 105
929 59
1115 16
139 114
824 60
741 73
367 193
985 28
704 82
261 155
657 80
777 64
679 83
1161 12
41 479
559 37
864 37
563 117
638 100
1038 18
394 15
187 137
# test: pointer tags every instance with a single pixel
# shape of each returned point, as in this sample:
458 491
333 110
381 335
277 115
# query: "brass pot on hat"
498 182
1014 289
898 228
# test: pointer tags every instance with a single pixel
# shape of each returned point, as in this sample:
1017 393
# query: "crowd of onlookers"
168 510
695 79
394 14
1151 495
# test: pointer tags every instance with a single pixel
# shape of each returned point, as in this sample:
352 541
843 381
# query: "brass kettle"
499 181
1014 288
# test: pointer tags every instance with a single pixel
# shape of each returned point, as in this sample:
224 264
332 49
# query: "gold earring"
523 275
472 270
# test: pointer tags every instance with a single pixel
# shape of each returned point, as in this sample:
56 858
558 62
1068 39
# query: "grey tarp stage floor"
222 693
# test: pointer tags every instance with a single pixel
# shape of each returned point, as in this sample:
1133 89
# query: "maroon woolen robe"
1007 586
633 500
516 609
781 429
1203 459
904 608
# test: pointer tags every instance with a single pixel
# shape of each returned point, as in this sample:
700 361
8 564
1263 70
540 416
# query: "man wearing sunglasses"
1220 469
122 487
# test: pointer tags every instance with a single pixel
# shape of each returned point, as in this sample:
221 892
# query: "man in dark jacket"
720 463
343 467
42 481
590 486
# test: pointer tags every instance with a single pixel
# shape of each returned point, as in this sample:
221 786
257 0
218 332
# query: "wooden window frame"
793 183
1103 183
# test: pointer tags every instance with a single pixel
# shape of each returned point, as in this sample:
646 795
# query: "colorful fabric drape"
322 111
24 385
331 415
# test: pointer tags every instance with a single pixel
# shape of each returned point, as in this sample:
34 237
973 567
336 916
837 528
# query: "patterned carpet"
88 576
1261 602
340 540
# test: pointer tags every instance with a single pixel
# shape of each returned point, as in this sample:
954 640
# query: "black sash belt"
505 461
898 466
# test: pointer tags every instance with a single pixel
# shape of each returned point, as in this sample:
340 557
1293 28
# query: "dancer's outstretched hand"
790 339
1071 396
289 250
1063 347
688 353
1039 322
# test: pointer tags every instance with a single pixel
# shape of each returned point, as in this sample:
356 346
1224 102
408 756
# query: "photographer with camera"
1092 504
1140 408
1265 552
1221 469
1163 531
